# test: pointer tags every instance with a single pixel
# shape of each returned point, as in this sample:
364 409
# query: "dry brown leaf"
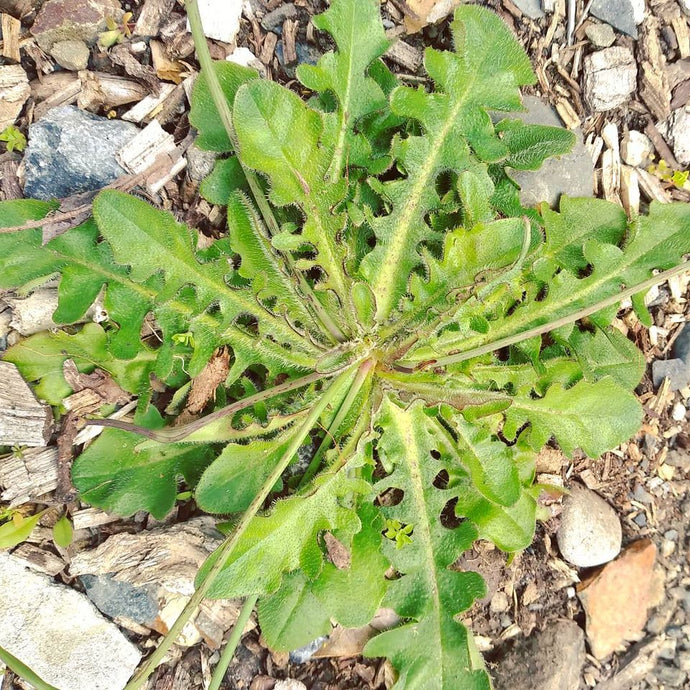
204 385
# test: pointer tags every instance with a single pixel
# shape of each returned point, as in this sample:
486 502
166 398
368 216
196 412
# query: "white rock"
676 131
590 532
678 413
610 77
59 634
636 149
290 684
243 56
220 19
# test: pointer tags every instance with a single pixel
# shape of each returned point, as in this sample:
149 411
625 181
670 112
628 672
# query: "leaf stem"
175 434
233 641
224 551
359 380
326 321
545 328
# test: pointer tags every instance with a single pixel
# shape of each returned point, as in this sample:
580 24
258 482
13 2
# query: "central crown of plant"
390 309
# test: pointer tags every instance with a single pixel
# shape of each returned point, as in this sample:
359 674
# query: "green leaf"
226 177
285 539
530 145
63 532
484 73
432 649
203 114
111 474
357 30
592 416
18 529
301 610
41 358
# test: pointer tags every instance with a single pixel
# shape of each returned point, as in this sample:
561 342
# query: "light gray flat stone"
572 174
72 151
590 532
59 634
623 15
530 8
610 78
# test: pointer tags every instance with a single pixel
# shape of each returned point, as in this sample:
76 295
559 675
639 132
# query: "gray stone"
640 520
121 599
590 532
58 633
572 174
610 78
670 676
548 660
68 20
680 459
530 8
623 15
676 370
72 55
273 21
73 151
200 163
601 35
681 346
302 654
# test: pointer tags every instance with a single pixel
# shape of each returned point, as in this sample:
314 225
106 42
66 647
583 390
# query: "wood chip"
654 86
152 149
405 55
680 29
204 385
28 475
166 69
89 518
268 48
290 28
15 90
662 148
152 16
9 181
60 88
23 420
122 55
567 113
39 559
102 91
630 191
144 110
11 29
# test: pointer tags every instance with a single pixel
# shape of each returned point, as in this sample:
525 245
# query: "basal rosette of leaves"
391 310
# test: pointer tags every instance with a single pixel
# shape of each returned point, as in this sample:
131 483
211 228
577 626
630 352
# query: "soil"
538 585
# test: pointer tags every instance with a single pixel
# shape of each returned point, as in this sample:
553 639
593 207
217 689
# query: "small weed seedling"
392 314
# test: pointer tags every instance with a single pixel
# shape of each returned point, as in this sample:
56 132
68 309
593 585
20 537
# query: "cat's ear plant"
394 316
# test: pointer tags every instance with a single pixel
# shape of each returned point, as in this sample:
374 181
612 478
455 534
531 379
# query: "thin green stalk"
226 548
20 669
547 327
331 328
233 641
359 380
178 433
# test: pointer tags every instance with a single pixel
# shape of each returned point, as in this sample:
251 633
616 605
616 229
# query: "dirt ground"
538 584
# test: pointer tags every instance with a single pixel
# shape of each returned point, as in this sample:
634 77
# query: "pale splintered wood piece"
28 475
100 90
147 105
630 191
152 16
15 90
23 420
405 55
11 28
92 517
39 559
